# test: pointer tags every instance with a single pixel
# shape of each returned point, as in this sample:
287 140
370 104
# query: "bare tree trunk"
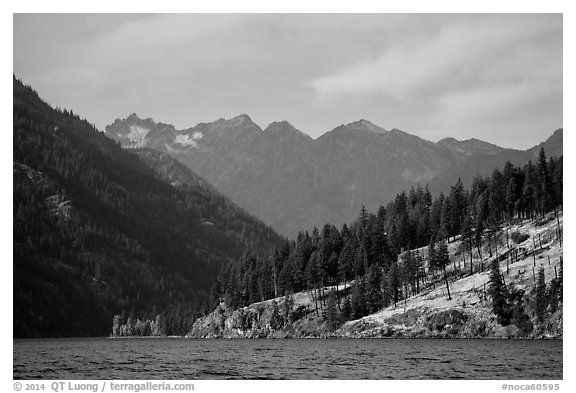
338 297
315 298
471 263
496 246
275 279
540 240
447 286
405 296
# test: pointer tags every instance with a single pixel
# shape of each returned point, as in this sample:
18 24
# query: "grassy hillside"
467 314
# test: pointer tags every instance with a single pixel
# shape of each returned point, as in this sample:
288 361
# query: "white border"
259 6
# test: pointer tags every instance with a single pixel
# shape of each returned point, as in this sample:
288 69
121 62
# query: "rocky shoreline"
452 323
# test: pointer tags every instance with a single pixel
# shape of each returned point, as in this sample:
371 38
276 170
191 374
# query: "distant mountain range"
99 230
294 182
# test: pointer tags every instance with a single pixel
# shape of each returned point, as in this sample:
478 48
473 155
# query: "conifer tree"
332 318
358 300
467 235
431 255
346 309
541 296
500 296
552 296
394 282
116 322
439 262
545 185
312 278
374 290
478 232
276 321
158 326
346 261
287 306
458 209
519 316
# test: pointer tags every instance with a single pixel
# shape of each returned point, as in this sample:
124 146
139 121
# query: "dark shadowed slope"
98 232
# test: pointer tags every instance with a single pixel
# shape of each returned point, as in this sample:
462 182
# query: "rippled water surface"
286 359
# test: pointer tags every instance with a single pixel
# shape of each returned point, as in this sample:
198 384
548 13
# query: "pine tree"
312 278
116 322
394 282
467 235
159 326
410 269
529 191
440 261
552 295
346 309
431 256
346 261
332 319
519 316
444 260
478 232
287 306
358 300
545 185
511 198
130 327
276 321
458 207
500 296
541 296
276 262
374 290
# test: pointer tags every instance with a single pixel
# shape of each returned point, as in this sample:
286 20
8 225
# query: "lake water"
286 359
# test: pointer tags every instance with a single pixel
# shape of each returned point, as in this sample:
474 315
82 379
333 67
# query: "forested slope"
98 232
416 245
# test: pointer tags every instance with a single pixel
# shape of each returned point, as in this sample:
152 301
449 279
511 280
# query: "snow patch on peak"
187 140
137 135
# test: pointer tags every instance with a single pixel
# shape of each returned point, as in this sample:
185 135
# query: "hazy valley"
293 182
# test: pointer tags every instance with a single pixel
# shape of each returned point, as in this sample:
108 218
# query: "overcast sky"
492 77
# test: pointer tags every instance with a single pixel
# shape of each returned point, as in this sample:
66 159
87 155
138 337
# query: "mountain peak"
359 127
279 126
365 125
241 119
133 117
284 128
397 131
469 146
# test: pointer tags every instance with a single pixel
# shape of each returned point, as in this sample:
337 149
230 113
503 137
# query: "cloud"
462 53
496 103
418 72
